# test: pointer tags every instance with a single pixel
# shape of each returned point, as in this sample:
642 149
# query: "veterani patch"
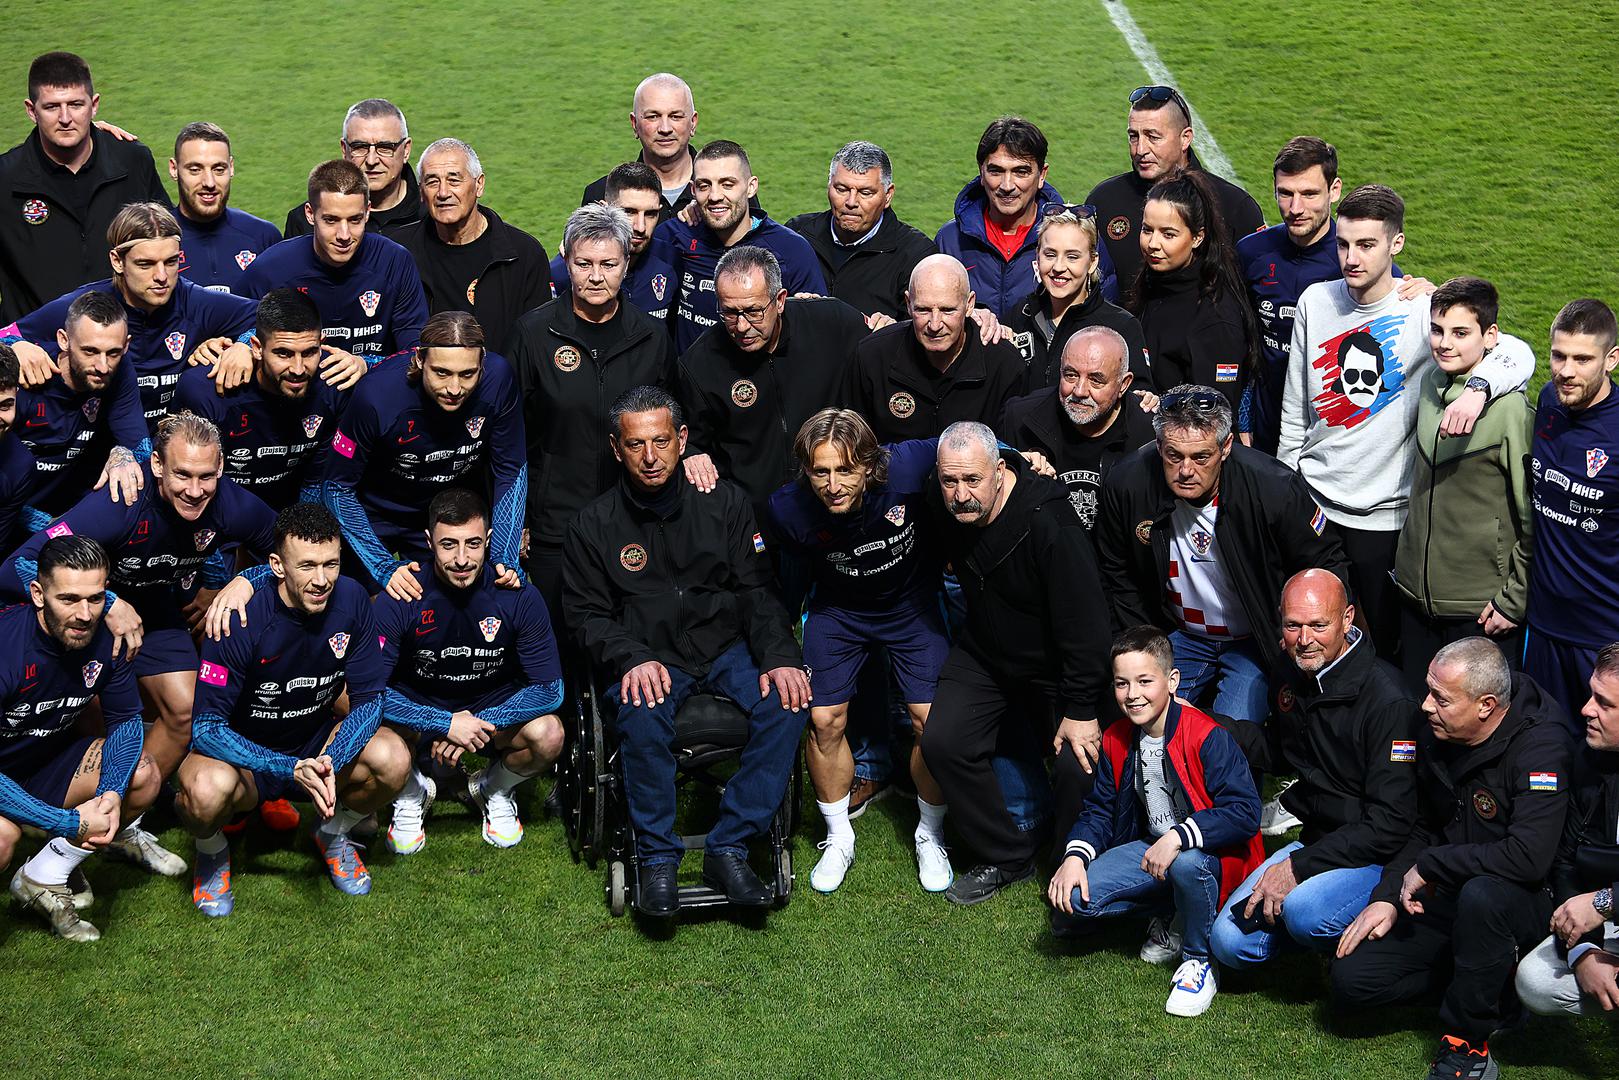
743 393
902 405
632 557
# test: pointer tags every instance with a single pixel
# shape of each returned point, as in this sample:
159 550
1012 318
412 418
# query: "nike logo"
28 687
237 434
403 440
420 630
269 659
36 423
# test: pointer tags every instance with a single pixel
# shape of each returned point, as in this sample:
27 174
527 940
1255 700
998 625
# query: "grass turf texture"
1492 122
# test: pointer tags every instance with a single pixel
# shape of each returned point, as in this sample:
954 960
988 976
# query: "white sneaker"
1193 991
501 825
134 844
832 866
933 864
1276 819
1163 942
406 832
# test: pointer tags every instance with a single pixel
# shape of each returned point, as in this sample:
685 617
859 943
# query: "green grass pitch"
1494 121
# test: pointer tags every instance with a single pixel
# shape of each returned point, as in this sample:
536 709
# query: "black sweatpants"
972 711
1422 636
1463 946
1371 581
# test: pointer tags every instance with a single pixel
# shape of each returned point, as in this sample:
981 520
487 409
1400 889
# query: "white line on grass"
1207 148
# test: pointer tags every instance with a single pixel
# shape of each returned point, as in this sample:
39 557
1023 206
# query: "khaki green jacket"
1467 537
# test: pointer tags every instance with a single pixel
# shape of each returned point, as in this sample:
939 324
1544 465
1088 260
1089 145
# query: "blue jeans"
646 735
1119 886
1313 916
1234 669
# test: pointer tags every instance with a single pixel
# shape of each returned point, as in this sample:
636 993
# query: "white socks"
213 845
500 779
930 825
129 827
413 793
55 861
838 829
342 821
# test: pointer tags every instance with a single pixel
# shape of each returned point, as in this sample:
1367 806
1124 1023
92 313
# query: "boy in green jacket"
1462 565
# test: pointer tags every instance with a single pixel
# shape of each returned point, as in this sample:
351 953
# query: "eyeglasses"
1160 94
384 150
754 316
1203 399
1079 210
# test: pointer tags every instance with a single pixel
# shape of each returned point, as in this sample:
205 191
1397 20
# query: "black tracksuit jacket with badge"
1497 808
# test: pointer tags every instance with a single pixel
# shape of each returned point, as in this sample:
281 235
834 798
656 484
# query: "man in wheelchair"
669 592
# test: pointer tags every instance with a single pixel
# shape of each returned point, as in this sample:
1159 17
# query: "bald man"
1345 724
1090 419
916 378
663 118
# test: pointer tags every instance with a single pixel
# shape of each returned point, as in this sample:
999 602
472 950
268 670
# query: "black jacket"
1034 600
878 271
892 384
745 409
1588 856
1269 528
679 589
403 212
1194 339
566 392
1119 201
516 280
1497 808
50 243
1349 735
1037 422
1041 342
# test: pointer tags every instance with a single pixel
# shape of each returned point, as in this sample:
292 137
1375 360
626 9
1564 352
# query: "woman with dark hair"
1068 297
1189 295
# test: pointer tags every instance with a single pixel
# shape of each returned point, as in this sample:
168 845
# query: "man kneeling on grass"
1171 825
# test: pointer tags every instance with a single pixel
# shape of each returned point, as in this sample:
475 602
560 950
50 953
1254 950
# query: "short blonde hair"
1087 226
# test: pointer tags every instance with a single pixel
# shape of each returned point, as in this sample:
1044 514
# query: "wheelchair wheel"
616 890
570 785
595 782
784 876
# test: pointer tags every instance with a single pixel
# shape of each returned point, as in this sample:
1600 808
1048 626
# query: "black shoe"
731 875
984 881
660 892
1458 1060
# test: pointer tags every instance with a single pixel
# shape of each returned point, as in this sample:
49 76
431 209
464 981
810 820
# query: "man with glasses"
1160 132
376 139
750 383
1197 537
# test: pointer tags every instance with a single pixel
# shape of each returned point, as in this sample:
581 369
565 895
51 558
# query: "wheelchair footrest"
701 896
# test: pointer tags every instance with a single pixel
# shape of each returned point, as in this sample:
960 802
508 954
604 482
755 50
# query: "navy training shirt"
267 689
875 558
43 689
159 341
16 486
395 448
274 446
371 306
69 433
1574 577
215 254
695 252
155 553
468 648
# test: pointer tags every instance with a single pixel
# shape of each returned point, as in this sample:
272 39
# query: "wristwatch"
1479 383
1602 900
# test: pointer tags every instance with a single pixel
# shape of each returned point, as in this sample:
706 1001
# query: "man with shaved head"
915 378
1467 893
1344 723
663 117
1028 667
1087 421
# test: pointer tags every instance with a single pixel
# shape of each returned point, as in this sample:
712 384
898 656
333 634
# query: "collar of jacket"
1047 420
1343 678
912 369
882 242
1526 709
566 326
34 178
1030 495
643 509
971 200
1144 186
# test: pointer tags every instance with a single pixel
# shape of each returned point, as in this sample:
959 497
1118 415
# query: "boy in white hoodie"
1349 408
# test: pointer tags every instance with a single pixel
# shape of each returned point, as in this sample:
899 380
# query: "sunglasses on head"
1079 210
1206 399
1160 94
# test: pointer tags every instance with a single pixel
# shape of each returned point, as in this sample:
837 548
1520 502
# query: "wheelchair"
710 732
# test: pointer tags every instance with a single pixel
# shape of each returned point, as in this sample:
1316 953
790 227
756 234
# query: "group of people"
317 511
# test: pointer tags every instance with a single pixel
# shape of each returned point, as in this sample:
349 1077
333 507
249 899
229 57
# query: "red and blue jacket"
1208 778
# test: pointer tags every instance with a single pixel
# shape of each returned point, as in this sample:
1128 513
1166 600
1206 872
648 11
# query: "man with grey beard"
1087 421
